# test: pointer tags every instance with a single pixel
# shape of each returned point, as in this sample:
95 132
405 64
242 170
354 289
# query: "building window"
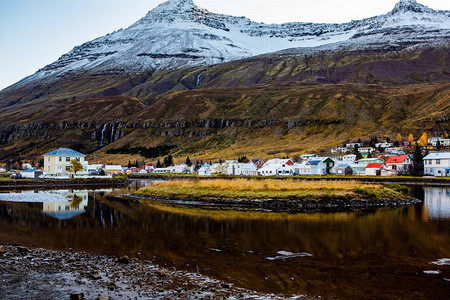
438 161
60 158
67 168
78 159
48 168
68 159
49 159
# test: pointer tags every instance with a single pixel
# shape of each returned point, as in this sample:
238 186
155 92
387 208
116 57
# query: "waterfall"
221 124
198 80
112 133
103 134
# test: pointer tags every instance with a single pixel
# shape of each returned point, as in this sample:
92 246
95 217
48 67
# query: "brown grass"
267 188
242 184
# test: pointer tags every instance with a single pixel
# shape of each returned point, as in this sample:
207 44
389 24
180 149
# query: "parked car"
16 176
143 171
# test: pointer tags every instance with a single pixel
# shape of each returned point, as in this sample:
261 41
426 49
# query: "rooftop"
64 152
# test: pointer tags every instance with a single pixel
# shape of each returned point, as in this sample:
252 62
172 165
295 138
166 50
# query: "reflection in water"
76 203
365 254
437 202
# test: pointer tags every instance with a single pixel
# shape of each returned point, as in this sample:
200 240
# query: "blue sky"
34 33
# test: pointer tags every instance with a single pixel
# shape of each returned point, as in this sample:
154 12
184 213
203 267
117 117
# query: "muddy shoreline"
337 204
43 274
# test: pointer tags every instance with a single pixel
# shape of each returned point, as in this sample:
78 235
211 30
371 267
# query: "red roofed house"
379 169
402 163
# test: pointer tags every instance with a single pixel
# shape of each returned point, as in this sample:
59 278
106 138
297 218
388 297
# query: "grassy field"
271 188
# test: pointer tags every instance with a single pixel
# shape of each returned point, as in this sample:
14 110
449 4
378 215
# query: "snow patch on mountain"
177 34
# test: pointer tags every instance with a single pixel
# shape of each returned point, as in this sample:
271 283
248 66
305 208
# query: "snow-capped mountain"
178 34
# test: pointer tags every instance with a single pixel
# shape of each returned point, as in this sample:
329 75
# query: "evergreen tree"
168 160
418 160
158 164
129 164
188 161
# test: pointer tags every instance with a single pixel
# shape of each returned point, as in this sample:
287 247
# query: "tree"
418 160
168 160
129 164
423 139
243 159
75 166
158 164
188 161
399 138
411 139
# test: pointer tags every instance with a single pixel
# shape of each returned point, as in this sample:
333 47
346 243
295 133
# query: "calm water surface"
383 254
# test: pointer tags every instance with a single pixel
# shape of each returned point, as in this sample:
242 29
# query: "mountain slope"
203 81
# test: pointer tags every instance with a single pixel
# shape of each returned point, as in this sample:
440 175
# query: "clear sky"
34 33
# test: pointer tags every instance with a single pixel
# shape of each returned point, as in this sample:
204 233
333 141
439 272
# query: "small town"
405 157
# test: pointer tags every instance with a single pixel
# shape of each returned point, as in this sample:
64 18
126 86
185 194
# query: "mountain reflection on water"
364 254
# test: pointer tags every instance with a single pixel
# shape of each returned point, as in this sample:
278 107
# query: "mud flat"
42 274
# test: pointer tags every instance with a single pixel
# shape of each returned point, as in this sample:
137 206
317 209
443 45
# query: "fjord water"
385 253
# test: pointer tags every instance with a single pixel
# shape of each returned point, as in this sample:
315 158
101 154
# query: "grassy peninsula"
272 188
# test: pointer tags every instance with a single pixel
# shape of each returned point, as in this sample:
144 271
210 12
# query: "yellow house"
57 162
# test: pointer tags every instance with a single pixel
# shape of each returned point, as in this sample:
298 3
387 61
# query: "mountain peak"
409 6
176 5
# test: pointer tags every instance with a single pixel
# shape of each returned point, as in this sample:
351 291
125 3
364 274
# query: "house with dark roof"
342 170
57 162
318 167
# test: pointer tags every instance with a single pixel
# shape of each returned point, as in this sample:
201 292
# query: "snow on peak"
178 34
176 5
410 6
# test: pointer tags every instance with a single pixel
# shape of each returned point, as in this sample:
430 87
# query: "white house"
57 162
340 150
318 167
233 167
349 158
302 169
113 169
441 142
366 150
31 173
393 149
353 145
248 169
180 168
149 168
383 145
437 164
276 170
205 170
163 170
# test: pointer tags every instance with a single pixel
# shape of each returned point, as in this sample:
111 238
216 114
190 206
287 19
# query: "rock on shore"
44 274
